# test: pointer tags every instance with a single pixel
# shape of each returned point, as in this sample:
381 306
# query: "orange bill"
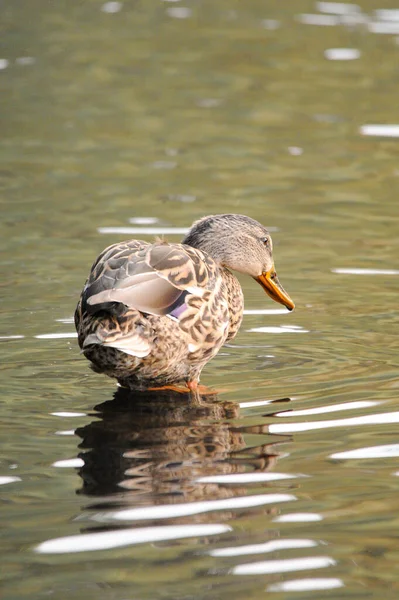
270 283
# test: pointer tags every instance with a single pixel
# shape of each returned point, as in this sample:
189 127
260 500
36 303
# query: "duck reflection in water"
153 448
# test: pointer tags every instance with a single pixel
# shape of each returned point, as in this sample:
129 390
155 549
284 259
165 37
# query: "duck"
152 315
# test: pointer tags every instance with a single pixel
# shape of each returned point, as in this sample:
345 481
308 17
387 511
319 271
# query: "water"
282 482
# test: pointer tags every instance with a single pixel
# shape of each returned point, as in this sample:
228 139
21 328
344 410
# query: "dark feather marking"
179 306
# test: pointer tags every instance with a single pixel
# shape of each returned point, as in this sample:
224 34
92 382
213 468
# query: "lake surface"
122 118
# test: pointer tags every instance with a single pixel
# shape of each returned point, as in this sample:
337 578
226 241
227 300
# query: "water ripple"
267 547
315 19
68 414
342 53
380 130
386 451
298 518
278 329
337 8
5 479
56 336
265 311
374 419
284 566
246 478
327 409
352 271
309 584
105 540
170 511
68 463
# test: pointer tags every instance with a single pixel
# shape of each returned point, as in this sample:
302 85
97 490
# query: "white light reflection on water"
265 311
374 419
380 130
180 12
143 220
68 414
314 19
267 547
295 150
56 336
11 337
106 540
69 463
384 27
171 511
306 585
342 54
298 518
254 403
112 7
387 451
280 329
268 567
65 432
66 320
144 230
387 14
5 479
366 271
337 8
328 409
246 477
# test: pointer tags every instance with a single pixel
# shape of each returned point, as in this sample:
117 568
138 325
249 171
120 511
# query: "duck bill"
270 283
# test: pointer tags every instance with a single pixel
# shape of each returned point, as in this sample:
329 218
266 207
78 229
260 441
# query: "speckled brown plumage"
155 314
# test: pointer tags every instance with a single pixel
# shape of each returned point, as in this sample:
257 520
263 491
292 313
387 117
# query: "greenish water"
284 483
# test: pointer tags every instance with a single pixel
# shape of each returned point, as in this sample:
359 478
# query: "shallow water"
132 117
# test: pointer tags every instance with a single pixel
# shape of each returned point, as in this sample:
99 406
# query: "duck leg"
192 385
196 388
173 388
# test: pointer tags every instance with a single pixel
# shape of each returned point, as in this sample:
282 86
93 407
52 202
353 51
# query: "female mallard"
155 314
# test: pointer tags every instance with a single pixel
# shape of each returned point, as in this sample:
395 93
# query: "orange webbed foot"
173 388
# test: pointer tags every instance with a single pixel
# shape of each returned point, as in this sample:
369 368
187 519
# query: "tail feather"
134 344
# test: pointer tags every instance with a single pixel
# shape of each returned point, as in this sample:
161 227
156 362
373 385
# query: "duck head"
240 243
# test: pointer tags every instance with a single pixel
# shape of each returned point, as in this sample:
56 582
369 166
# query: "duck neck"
235 300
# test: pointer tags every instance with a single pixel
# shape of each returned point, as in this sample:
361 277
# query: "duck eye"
265 241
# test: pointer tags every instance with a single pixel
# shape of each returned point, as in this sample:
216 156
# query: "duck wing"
152 278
